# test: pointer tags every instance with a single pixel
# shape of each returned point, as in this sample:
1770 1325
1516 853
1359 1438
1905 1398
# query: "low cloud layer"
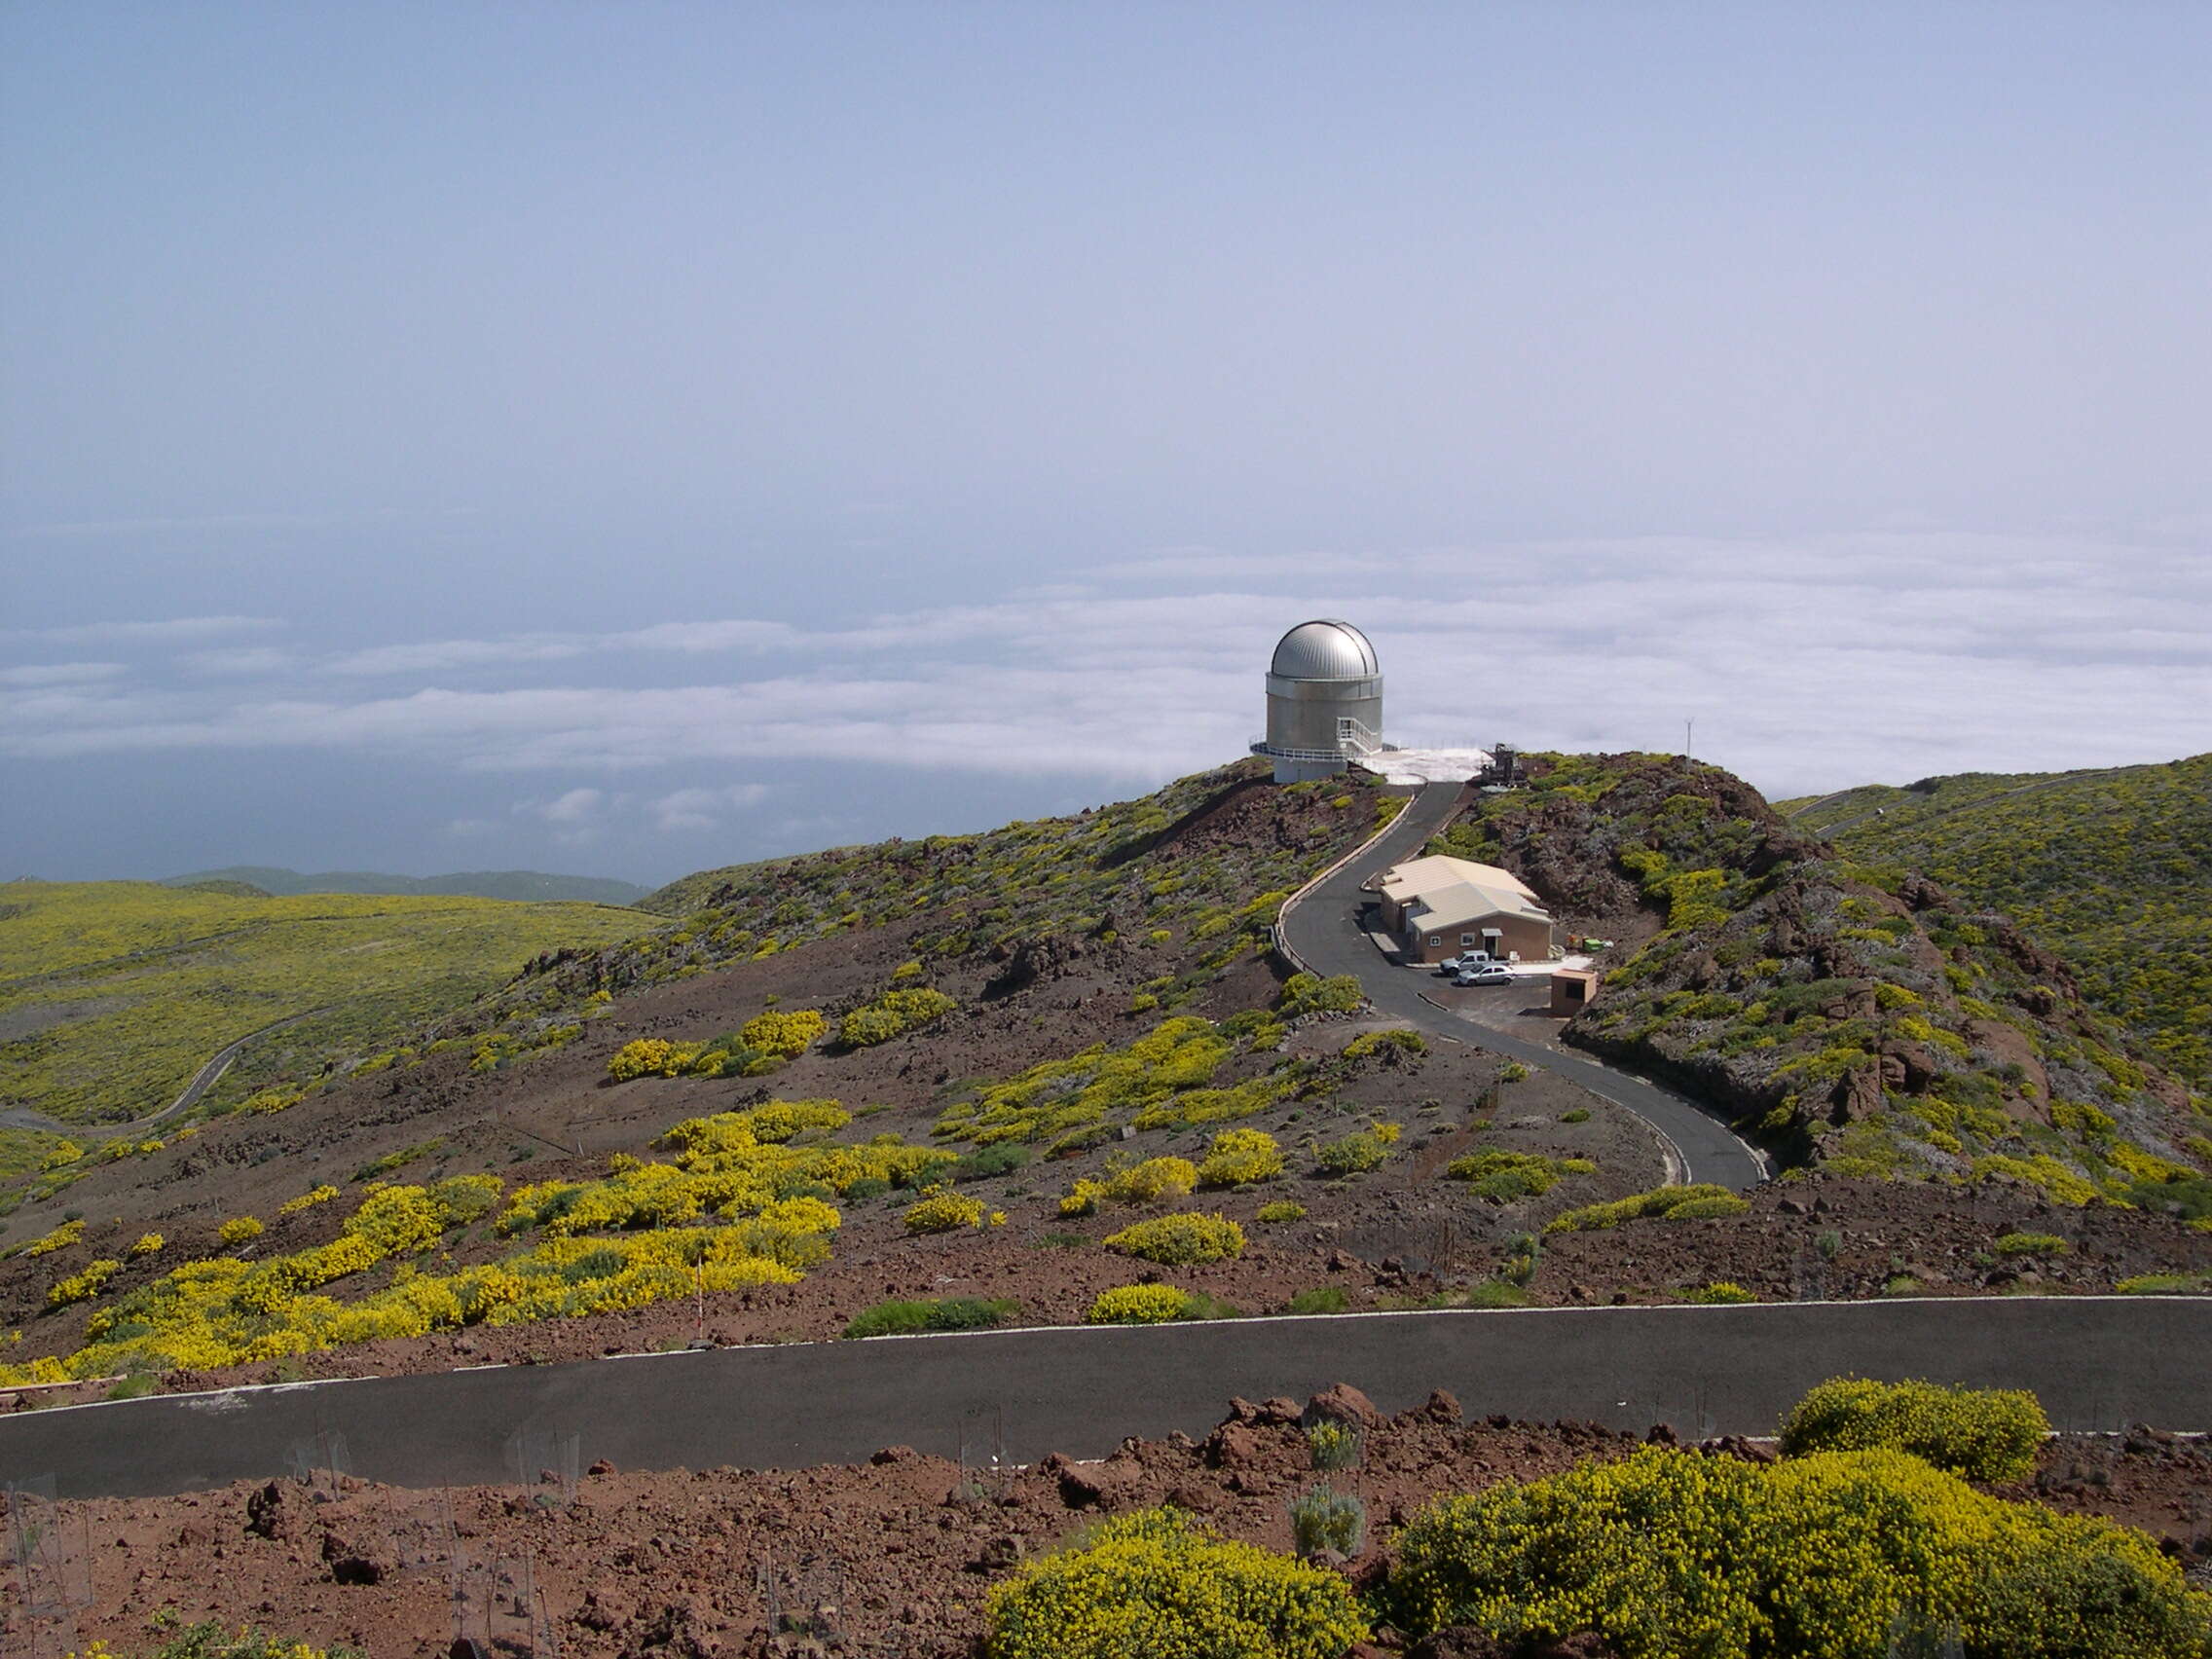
1804 665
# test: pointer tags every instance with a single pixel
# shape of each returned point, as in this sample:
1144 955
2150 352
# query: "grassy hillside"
533 886
114 993
2113 869
1853 1015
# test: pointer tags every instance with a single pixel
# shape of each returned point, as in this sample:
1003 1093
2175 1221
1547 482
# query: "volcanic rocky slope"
1103 996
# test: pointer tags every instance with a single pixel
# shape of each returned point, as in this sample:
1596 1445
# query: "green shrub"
1325 1519
942 1313
2165 1285
1239 1157
2076 1598
1179 1240
2031 1244
894 1014
1321 1298
1493 1293
1279 1212
1140 1304
1672 1553
1002 1158
1580 1114
1708 1209
1354 1153
1156 1582
1986 1434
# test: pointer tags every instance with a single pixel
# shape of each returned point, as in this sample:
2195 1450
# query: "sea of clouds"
1806 665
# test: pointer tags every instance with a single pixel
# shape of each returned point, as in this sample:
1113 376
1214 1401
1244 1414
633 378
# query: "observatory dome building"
1324 701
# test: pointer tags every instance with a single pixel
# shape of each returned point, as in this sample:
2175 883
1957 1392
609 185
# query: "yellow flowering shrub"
1084 1198
221 1313
780 1120
1179 1240
894 1014
240 1229
1720 1293
785 1034
1674 1555
1158 1583
943 1210
81 1285
61 1239
1152 1180
146 1244
1239 1157
1158 1080
61 1155
1638 1207
1503 1176
651 1056
774 1123
1279 1212
1138 1305
307 1201
1986 1434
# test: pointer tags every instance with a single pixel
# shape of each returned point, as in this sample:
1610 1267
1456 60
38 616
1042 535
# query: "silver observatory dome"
1327 650
1324 701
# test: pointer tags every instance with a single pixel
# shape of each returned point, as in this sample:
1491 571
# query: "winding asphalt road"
205 1079
1320 929
2097 1363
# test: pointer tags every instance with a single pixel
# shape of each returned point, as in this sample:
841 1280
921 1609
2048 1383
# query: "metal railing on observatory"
1353 741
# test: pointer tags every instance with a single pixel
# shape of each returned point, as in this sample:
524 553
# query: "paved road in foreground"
1322 930
2095 1362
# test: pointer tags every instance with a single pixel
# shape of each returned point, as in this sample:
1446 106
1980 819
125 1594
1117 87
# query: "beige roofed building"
1440 907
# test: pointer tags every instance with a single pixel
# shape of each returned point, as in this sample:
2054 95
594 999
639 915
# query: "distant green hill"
524 884
113 994
2111 868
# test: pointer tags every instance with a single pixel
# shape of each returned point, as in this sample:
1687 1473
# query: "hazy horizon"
621 443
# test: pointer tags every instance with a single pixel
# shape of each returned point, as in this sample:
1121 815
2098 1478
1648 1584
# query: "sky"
633 438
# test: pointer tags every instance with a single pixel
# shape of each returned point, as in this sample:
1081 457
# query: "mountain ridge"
526 885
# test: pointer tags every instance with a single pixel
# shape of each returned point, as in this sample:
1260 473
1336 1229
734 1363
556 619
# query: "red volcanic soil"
891 1556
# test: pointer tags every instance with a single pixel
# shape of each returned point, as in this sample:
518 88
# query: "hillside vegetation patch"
1854 1017
197 971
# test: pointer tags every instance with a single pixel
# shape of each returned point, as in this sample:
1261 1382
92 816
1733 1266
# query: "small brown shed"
1571 991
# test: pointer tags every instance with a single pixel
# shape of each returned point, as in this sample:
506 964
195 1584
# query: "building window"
1435 938
1466 938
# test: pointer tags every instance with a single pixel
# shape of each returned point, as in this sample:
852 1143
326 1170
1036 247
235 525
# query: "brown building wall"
1533 939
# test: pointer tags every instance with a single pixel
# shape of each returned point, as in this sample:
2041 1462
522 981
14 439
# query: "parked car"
1486 973
1452 965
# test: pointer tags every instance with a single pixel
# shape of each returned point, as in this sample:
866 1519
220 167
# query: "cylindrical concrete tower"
1324 701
